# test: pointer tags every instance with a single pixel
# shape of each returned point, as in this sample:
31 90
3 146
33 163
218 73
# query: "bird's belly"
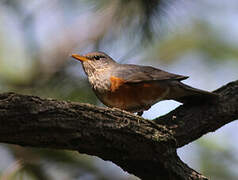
135 97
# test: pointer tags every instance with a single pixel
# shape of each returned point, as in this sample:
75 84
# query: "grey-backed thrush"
135 88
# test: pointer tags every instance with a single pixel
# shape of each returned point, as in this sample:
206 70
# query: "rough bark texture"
142 147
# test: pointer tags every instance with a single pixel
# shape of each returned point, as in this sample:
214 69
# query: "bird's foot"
140 113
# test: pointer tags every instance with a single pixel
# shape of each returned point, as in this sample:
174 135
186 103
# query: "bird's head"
94 61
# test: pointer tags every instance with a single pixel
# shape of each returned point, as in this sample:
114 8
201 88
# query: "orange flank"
146 85
116 83
130 96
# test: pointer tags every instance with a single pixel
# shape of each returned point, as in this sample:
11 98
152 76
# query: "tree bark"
142 147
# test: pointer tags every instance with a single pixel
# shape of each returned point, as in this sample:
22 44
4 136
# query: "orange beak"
79 57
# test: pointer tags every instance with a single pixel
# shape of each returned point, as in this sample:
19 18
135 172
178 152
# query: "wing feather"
135 74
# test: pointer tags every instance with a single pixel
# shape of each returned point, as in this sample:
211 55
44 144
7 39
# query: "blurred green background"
194 38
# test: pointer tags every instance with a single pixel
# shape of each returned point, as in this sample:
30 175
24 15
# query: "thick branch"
144 148
138 146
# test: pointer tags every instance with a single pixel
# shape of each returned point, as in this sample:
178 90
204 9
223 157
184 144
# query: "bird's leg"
140 113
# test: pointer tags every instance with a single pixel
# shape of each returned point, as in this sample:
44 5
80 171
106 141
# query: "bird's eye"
97 57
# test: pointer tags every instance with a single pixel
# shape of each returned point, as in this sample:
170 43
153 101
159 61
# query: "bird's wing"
136 74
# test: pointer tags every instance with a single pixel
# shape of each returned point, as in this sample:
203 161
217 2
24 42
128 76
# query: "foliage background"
199 39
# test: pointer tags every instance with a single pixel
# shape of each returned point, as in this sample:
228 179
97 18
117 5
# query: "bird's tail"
189 95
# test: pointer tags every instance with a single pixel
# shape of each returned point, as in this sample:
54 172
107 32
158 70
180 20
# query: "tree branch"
189 123
142 147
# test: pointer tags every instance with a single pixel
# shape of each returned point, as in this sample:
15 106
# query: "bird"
136 88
